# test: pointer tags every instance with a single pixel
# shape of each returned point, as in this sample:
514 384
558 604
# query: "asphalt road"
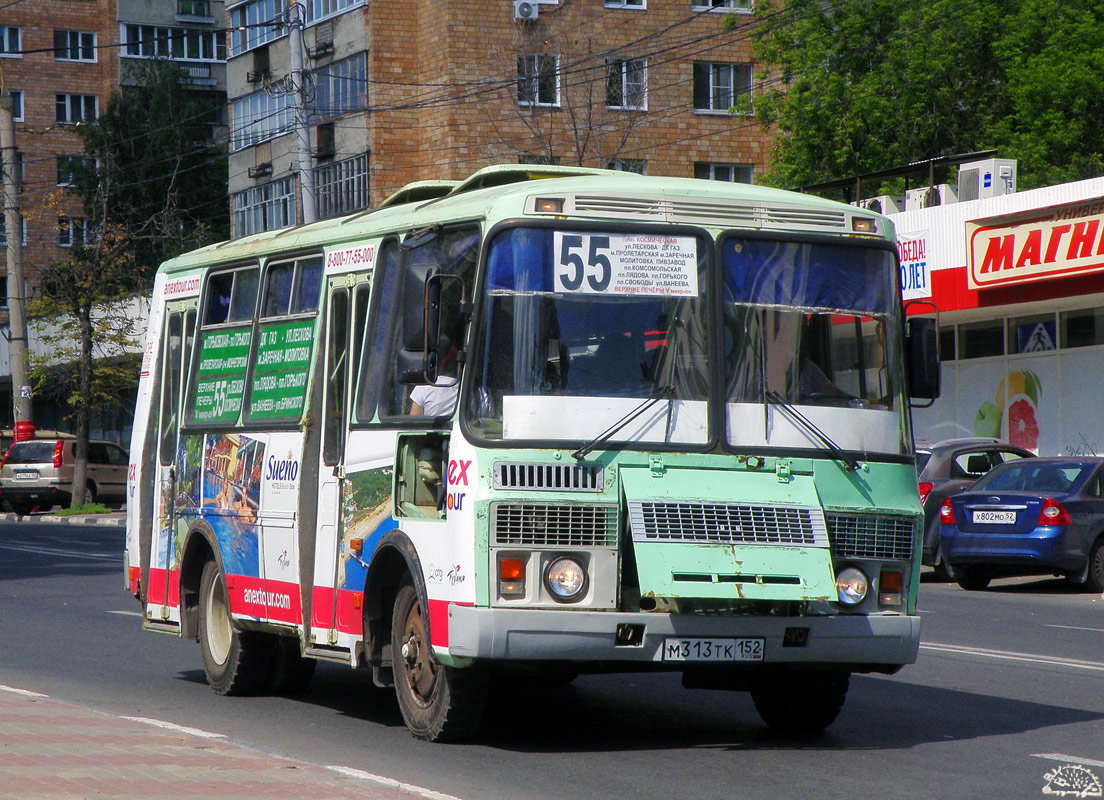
1008 689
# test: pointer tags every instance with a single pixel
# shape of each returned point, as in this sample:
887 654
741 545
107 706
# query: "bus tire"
438 703
236 662
800 702
290 673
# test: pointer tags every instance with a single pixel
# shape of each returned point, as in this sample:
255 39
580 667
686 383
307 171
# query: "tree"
861 87
153 184
154 143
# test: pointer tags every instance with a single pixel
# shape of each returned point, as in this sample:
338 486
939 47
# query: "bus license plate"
995 517
713 650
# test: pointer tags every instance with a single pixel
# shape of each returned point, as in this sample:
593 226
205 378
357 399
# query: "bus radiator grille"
554 524
872 536
727 523
534 476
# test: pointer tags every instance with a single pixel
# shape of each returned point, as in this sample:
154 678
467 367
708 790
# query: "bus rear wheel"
236 662
438 703
800 702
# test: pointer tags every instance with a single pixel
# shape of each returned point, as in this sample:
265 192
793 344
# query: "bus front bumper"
863 643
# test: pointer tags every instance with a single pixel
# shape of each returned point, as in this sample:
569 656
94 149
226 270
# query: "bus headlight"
565 579
851 586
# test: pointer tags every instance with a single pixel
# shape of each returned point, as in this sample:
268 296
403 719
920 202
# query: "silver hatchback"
38 473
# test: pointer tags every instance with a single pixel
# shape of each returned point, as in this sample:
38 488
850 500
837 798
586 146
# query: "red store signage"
1036 245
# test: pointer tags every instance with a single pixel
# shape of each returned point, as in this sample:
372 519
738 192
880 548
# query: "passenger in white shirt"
434 401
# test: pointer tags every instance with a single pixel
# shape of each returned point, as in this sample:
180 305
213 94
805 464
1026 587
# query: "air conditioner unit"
883 204
526 10
930 196
989 178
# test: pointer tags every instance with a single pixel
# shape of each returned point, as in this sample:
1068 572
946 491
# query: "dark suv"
38 473
949 467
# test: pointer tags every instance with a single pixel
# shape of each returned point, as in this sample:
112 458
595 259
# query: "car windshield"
36 452
1032 475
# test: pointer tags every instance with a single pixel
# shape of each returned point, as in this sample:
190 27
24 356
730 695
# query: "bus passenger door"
335 401
164 582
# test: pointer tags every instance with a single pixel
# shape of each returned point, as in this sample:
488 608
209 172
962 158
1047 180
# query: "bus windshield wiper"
660 393
804 422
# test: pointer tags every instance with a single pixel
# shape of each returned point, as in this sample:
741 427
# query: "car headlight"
565 579
851 586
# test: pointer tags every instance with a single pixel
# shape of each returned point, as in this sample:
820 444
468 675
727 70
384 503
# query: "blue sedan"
1037 516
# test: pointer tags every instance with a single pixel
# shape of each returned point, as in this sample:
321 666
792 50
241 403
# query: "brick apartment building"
398 92
60 61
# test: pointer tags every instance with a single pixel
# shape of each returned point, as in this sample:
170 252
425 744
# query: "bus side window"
170 388
336 368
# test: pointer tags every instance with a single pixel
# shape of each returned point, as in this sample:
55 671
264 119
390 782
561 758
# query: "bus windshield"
804 325
572 339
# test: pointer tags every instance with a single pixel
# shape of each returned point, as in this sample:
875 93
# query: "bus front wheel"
438 703
236 662
800 702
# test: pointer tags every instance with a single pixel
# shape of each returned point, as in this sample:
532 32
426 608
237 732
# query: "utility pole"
17 322
302 128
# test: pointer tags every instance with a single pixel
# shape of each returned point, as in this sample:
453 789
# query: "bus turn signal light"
511 577
890 585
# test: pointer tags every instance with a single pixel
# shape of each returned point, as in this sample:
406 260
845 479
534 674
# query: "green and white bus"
543 420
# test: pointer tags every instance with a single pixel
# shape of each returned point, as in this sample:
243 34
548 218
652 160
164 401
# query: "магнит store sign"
1036 245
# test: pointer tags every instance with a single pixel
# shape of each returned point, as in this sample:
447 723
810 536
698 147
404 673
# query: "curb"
116 520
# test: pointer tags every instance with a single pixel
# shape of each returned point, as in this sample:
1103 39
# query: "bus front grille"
727 523
554 524
548 477
871 535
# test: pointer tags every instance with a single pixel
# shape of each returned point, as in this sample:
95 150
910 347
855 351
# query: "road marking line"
1069 759
1074 628
169 726
22 692
394 784
127 613
1004 655
53 551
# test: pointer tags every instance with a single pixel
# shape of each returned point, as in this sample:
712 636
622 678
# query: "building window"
625 4
740 6
717 86
947 343
9 41
981 339
261 116
320 9
342 186
71 231
74 46
733 173
1034 334
340 88
627 83
17 104
193 8
70 166
76 107
538 82
180 44
1082 328
267 207
257 23
628 165
4 229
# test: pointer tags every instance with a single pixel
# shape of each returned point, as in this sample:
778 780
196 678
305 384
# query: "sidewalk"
56 751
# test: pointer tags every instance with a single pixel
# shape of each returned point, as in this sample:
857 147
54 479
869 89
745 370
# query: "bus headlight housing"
565 579
851 586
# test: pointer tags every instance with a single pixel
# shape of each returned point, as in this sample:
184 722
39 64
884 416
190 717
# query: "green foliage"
91 508
870 85
153 145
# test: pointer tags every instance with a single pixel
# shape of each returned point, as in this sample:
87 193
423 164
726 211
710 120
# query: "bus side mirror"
421 322
922 343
